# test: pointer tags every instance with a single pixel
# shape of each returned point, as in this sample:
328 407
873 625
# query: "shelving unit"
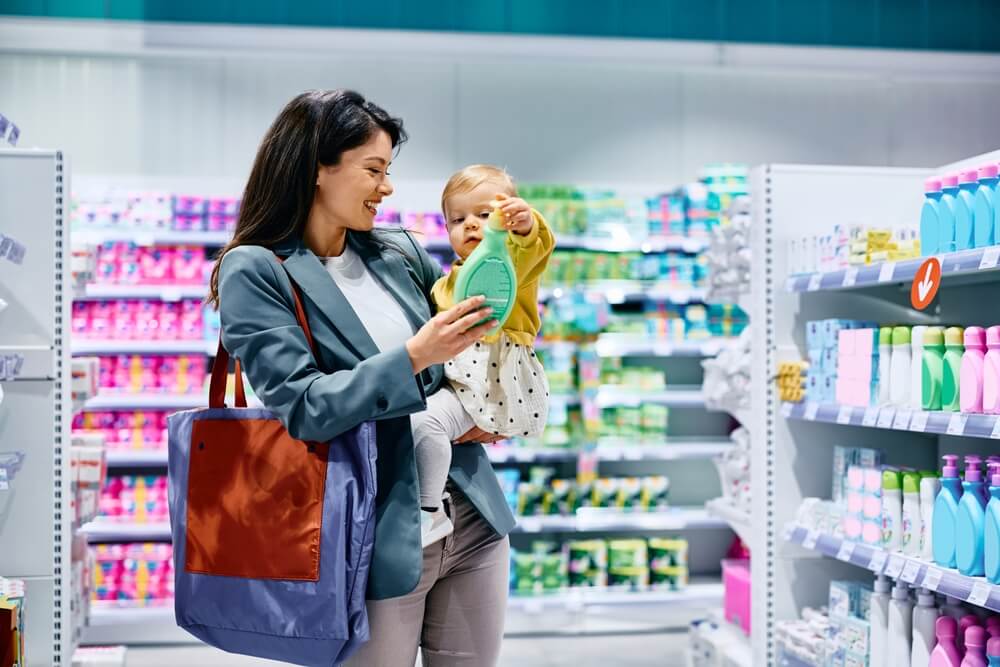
913 421
85 346
674 397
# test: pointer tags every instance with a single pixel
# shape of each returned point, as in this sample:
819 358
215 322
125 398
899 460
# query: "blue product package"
946 213
930 223
984 216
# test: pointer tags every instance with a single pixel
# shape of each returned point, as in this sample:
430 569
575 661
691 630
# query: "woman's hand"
477 434
448 333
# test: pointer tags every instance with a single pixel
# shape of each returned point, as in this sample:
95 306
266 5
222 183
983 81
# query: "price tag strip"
910 571
809 541
877 562
850 276
991 256
812 409
871 417
885 417
786 410
902 421
918 423
980 593
895 566
956 425
932 578
846 551
886 272
814 281
844 415
995 433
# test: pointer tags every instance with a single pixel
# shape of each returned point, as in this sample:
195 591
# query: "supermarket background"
671 453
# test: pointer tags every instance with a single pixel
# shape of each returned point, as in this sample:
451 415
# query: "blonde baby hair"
472 177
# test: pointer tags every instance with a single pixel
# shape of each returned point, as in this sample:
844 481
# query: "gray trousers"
455 616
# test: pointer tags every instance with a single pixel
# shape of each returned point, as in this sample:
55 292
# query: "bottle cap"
932 185
911 482
995 478
950 468
993 335
987 171
953 336
933 337
993 648
495 221
975 337
975 635
973 473
890 480
882 584
945 627
968 176
901 591
925 598
901 336
885 336
949 181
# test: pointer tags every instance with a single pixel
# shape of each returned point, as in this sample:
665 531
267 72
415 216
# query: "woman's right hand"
448 333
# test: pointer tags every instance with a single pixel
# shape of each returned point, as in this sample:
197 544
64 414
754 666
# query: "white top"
375 307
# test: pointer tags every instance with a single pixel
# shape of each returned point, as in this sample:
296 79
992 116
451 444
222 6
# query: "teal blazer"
351 382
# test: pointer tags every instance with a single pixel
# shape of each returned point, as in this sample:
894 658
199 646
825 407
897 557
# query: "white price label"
814 281
811 410
918 422
956 425
877 563
850 276
895 566
885 417
932 578
885 273
871 417
846 551
995 433
980 593
844 416
910 571
991 256
809 542
902 420
790 284
786 410
789 532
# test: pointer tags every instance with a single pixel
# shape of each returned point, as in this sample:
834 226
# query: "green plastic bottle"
933 371
489 271
954 347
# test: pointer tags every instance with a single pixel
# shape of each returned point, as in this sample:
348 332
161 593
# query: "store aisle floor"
662 650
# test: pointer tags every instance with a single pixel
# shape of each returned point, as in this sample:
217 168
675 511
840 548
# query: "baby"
497 384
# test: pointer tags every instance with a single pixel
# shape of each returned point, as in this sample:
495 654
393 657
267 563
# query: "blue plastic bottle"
930 224
970 521
983 216
991 533
945 512
965 207
946 213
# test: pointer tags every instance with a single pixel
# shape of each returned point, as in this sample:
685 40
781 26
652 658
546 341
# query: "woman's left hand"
477 434
517 214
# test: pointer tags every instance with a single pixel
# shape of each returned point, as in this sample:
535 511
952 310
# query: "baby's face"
466 215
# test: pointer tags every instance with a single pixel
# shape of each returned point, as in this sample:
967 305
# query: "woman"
311 198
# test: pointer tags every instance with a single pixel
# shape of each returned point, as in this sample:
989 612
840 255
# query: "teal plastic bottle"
930 224
954 348
970 521
933 368
991 531
946 213
489 271
945 513
983 217
965 207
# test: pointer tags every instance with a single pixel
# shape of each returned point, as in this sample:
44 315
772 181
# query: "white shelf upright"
35 413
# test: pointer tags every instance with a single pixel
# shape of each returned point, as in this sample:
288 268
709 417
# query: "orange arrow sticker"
925 283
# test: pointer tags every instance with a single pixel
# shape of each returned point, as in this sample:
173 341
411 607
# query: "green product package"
667 553
632 578
489 271
627 553
655 493
604 492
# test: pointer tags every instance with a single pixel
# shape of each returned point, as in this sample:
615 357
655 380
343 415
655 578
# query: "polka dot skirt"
505 389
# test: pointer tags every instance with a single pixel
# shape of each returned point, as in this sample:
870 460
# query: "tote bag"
272 535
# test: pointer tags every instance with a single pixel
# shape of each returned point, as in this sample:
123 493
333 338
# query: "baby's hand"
517 214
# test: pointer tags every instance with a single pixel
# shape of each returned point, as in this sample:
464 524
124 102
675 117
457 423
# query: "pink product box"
189 205
736 603
855 355
138 374
223 206
134 572
125 263
219 222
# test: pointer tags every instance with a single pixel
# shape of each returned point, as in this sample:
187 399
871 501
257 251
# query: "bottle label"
887 529
907 531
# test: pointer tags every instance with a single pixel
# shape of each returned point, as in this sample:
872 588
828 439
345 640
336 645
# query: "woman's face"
349 192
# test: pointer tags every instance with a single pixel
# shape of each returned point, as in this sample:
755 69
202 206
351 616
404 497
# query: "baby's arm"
530 251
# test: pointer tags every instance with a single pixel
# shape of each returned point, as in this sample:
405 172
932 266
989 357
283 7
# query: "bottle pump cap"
953 336
890 480
901 591
995 481
945 627
968 176
882 584
975 337
932 185
949 181
950 468
901 336
993 336
933 337
973 469
986 171
885 336
925 598
911 482
975 635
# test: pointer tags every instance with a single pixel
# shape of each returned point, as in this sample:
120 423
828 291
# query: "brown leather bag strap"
220 368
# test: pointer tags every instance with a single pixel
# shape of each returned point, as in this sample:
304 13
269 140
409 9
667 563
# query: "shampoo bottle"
946 213
993 652
991 531
879 619
930 225
912 521
900 626
917 366
925 616
489 271
970 383
975 648
892 511
933 369
965 207
964 623
884 366
929 488
970 520
945 513
954 347
946 653
984 212
899 371
991 372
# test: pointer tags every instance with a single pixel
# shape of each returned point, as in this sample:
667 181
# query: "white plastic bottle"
879 619
899 371
929 488
925 616
884 365
953 607
900 626
892 511
912 520
917 367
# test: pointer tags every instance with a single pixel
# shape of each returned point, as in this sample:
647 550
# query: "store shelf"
941 423
788 659
123 401
591 519
648 245
737 519
136 458
625 345
622 291
99 292
695 594
84 346
677 397
617 449
133 624
914 571
108 530
149 237
977 261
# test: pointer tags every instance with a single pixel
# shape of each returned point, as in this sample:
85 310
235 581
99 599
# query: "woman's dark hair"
314 129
